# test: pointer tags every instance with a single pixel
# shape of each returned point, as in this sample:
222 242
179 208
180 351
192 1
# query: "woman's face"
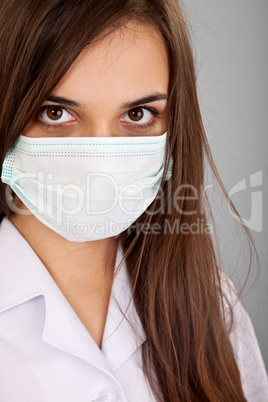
117 87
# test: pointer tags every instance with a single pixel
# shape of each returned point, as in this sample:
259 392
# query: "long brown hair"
175 277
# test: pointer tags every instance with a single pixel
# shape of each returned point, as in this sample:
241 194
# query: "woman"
107 293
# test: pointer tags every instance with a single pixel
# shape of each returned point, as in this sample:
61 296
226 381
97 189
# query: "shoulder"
245 345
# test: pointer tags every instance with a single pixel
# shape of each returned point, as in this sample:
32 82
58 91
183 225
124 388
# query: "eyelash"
154 112
48 126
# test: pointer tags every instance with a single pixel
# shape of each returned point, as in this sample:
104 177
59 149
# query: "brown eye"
139 116
136 114
54 113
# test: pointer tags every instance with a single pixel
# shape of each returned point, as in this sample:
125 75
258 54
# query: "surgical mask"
86 188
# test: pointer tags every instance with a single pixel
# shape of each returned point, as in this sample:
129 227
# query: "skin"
126 66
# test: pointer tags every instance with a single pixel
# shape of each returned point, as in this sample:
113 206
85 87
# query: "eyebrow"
146 99
157 96
64 101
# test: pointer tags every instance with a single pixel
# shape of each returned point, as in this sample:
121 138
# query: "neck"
83 271
73 266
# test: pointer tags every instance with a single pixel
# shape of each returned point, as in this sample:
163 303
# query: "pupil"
54 113
136 114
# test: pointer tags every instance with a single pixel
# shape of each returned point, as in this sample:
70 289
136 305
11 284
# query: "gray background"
230 40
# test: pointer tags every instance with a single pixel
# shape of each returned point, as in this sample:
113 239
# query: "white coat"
47 355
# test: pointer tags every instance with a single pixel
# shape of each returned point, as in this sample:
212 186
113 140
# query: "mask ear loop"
169 170
169 157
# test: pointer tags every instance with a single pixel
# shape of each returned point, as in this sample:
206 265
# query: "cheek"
165 121
31 130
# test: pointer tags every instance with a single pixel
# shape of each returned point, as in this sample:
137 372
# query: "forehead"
127 63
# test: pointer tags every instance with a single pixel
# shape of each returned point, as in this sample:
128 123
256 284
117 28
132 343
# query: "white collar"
23 277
